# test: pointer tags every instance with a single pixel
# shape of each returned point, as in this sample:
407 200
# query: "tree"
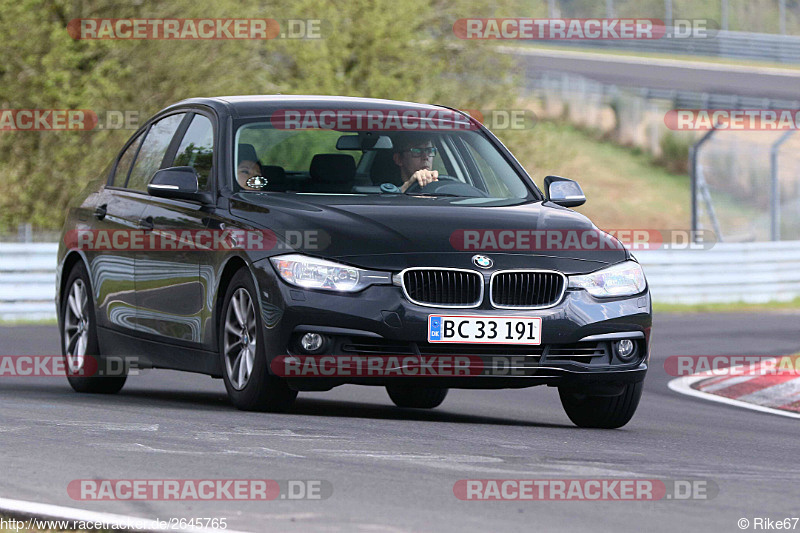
375 48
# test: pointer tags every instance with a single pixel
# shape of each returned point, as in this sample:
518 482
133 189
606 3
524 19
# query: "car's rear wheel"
416 397
247 379
607 412
79 344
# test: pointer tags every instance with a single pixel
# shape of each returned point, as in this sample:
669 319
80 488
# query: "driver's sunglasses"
430 151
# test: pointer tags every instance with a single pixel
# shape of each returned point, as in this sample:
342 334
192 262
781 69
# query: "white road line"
684 386
258 451
105 426
45 511
100 426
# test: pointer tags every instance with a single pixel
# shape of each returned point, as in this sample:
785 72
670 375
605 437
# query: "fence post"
693 151
775 187
782 15
668 13
25 232
724 15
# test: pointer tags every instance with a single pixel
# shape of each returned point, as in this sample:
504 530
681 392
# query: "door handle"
101 211
146 223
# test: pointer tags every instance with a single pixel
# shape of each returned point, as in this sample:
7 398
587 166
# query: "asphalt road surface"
394 470
652 73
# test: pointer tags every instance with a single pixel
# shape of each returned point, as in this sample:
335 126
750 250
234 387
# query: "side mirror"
563 191
179 183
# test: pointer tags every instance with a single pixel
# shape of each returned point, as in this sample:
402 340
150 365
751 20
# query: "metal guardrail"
27 281
754 272
728 272
727 44
545 82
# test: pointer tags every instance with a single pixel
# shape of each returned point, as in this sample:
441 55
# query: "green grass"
736 307
625 188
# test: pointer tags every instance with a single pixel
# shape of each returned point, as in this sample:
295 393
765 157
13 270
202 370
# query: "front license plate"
485 329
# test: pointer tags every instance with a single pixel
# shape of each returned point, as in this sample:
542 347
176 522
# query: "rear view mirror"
177 182
364 141
563 191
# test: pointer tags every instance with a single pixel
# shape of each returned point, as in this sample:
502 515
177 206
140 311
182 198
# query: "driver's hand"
420 177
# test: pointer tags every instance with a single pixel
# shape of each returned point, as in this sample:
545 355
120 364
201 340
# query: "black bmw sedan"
287 243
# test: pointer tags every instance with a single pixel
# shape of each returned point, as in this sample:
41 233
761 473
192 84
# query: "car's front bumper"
380 322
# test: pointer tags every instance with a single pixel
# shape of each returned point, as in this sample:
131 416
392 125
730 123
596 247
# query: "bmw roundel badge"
482 261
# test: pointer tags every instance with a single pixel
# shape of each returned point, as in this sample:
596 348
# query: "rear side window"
124 165
197 149
153 150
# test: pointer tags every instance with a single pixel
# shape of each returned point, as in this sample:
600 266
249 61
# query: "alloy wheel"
240 339
76 326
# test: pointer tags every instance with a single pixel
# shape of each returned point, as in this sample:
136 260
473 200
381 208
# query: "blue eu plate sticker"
435 333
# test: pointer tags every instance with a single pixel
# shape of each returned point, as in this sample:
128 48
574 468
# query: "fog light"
625 349
311 342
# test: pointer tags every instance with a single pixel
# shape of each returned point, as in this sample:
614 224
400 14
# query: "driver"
415 156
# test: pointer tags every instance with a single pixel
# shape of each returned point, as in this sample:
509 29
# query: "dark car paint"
162 307
396 231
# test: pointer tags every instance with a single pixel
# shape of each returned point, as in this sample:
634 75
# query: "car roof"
259 105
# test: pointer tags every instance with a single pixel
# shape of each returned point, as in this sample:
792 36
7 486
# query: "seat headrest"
273 172
333 168
247 152
384 169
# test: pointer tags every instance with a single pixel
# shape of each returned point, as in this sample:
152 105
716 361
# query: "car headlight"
312 273
624 279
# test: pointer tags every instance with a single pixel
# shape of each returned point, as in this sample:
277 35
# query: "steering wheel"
448 185
431 187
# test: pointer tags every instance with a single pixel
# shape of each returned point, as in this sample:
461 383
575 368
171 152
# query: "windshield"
331 161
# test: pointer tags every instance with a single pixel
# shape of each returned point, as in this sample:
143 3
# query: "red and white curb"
778 394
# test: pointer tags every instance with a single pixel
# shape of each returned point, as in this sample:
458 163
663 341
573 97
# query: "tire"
79 345
245 371
607 412
416 397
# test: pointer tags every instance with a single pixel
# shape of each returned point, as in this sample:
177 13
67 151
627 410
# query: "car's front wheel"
79 344
247 379
416 397
607 412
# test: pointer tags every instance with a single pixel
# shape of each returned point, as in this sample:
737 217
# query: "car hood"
393 232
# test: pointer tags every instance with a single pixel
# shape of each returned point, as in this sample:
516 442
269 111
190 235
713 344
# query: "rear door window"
124 164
